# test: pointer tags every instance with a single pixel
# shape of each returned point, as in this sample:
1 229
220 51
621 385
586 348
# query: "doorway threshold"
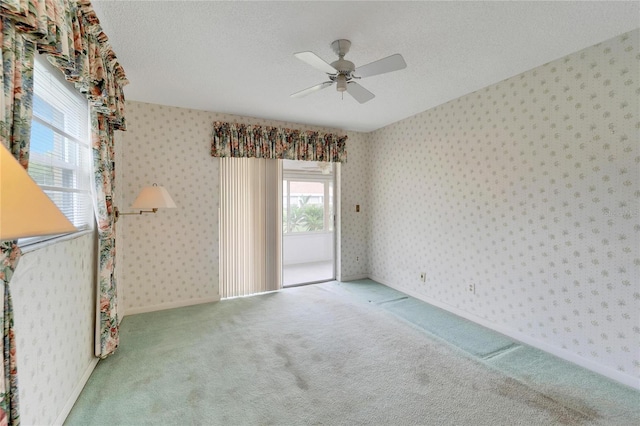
307 273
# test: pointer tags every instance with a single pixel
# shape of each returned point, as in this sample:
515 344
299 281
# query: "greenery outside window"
307 205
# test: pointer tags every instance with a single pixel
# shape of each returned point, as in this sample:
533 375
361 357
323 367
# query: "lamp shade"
25 210
153 197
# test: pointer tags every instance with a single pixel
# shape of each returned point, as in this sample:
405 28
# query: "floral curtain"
240 140
9 405
102 148
69 33
16 80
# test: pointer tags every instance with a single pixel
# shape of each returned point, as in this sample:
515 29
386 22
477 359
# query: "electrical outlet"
357 258
423 277
472 288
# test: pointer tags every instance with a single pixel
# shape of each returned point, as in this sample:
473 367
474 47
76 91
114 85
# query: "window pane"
59 145
41 139
306 206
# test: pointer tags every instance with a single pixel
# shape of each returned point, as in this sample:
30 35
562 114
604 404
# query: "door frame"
302 175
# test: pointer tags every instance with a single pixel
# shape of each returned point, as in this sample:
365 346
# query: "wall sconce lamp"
25 210
151 197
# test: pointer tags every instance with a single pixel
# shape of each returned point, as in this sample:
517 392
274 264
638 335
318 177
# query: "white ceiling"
237 57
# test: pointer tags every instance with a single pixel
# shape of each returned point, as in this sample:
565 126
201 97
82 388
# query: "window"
307 204
59 150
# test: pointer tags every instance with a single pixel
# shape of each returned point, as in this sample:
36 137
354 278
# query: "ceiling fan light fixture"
341 81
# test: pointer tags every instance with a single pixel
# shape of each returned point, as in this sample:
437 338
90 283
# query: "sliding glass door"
276 224
308 241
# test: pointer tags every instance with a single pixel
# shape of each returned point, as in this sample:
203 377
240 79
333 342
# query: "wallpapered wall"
529 190
171 258
53 299
353 225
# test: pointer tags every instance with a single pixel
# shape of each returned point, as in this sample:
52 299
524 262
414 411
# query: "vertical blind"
250 226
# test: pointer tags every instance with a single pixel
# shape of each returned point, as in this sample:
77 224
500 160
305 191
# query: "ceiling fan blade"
359 93
390 63
312 89
315 61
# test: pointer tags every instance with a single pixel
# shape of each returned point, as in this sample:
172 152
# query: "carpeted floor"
337 354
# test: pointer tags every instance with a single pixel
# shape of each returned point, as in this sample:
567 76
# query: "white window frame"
51 88
328 182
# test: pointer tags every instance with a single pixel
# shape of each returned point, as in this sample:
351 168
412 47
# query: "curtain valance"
69 32
240 140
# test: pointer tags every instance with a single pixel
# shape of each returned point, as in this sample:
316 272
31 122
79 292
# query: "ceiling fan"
343 72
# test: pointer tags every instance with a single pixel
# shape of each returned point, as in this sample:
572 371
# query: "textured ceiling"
237 57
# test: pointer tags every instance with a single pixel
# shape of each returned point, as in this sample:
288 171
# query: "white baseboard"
76 392
354 277
171 305
608 372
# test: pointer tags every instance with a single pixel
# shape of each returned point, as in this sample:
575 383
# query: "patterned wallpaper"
54 316
353 224
527 189
171 258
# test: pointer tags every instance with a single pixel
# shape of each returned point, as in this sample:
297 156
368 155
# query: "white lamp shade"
26 211
153 197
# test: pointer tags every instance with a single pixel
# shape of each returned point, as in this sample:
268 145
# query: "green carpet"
459 332
371 291
578 387
326 354
464 334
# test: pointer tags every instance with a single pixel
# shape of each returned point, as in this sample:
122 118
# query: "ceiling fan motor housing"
344 67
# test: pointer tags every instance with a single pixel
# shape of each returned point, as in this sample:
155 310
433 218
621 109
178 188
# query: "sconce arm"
118 213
